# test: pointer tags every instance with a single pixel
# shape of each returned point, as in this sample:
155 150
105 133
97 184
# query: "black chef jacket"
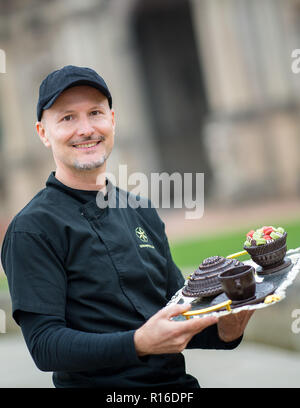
102 272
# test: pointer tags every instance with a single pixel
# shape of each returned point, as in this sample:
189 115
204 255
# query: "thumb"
174 310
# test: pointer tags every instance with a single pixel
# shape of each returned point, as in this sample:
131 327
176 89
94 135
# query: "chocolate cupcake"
204 282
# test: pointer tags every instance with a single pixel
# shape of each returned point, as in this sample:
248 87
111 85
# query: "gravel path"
250 365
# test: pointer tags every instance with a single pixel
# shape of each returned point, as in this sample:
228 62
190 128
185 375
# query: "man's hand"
161 335
232 326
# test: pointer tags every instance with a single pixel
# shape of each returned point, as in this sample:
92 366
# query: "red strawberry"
267 237
250 233
267 230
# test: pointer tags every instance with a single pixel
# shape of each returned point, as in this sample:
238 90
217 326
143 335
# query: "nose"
85 128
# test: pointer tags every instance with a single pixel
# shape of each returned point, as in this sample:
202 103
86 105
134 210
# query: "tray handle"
237 254
226 304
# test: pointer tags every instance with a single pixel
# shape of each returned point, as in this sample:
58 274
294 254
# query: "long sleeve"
209 339
55 347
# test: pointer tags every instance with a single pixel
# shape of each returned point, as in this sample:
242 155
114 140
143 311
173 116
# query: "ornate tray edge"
293 254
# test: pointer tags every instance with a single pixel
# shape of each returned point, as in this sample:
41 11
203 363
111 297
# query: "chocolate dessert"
267 248
204 282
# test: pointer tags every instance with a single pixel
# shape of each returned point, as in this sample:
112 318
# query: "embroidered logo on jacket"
141 234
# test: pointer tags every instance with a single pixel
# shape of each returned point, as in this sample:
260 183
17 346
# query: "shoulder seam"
41 235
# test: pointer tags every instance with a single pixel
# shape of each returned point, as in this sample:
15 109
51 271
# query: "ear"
113 119
41 131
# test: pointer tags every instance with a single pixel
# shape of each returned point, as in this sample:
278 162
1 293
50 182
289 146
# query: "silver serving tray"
280 280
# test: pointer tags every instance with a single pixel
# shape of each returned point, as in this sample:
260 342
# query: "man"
90 299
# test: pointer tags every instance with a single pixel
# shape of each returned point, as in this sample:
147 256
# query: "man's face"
79 127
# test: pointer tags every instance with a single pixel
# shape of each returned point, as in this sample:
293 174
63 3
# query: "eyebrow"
65 112
72 111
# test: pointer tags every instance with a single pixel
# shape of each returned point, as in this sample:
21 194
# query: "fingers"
185 330
160 334
232 326
198 324
194 325
246 317
174 310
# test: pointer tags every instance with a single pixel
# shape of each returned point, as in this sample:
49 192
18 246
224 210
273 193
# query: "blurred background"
198 86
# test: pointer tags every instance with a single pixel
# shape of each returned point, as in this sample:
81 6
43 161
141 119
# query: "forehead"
79 95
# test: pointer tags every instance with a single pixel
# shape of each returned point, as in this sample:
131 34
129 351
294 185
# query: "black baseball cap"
58 81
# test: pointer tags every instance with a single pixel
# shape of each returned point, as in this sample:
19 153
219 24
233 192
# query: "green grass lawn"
3 283
190 253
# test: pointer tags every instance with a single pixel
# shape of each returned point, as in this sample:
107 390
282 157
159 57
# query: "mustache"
87 139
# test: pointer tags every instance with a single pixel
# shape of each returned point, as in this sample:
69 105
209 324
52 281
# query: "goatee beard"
90 166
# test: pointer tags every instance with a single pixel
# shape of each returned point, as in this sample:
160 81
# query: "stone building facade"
198 86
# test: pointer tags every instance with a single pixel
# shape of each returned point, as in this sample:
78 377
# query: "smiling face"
79 128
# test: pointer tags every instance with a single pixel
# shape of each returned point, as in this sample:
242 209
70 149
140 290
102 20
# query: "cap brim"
103 90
